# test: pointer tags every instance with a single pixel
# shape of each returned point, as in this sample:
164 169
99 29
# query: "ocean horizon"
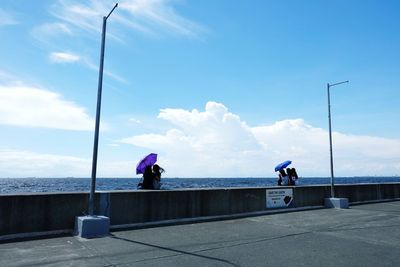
72 184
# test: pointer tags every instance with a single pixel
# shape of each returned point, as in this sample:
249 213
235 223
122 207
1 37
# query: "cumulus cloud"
309 147
34 107
216 142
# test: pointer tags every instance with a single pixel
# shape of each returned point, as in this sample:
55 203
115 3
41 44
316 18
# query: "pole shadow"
175 250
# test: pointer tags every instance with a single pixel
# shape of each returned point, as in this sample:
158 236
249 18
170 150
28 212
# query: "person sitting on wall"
148 178
294 176
282 177
157 170
290 177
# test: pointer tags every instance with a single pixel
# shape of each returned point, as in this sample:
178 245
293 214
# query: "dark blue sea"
25 185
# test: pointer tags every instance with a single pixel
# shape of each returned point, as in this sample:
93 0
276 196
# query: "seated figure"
148 178
283 178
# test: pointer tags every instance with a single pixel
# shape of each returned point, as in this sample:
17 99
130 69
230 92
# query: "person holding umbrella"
283 177
148 178
151 172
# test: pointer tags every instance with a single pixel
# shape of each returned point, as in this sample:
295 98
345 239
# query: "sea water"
27 185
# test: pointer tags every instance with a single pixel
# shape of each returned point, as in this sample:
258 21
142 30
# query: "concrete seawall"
27 213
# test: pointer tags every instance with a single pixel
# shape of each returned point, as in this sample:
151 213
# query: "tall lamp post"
330 135
96 132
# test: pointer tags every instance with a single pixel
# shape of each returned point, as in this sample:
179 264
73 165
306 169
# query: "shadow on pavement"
174 250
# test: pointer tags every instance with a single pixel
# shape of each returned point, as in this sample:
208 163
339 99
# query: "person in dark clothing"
157 170
295 176
290 176
148 178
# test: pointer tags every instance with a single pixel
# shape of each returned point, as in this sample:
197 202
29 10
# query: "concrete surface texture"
363 235
43 212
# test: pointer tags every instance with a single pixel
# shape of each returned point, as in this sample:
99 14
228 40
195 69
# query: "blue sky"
216 88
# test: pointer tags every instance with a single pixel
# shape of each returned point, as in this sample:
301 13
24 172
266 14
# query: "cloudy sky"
216 88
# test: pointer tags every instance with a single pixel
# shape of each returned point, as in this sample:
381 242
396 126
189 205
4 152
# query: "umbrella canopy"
149 160
282 165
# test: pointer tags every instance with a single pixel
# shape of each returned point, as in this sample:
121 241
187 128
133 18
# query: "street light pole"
330 135
97 126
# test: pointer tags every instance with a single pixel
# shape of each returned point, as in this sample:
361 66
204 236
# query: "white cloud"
34 107
68 57
108 73
210 143
135 120
51 30
215 142
15 163
6 77
81 16
151 17
22 163
6 18
63 57
160 15
309 147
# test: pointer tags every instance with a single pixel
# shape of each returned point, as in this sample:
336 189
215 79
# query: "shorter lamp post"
330 135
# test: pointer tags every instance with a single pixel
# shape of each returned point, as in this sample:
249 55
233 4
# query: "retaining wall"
26 213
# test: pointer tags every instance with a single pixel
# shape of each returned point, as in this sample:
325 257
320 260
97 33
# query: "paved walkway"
364 235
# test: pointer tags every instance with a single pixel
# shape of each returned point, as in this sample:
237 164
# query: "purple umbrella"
149 160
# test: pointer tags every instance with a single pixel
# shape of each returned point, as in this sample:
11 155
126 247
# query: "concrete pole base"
92 226
337 203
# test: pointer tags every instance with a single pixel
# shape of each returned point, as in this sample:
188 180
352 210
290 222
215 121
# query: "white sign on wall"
279 198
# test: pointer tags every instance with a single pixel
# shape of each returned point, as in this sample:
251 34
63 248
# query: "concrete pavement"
364 235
